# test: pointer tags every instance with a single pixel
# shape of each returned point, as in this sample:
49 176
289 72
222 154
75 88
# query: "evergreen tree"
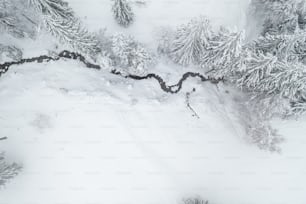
61 22
7 171
265 75
55 8
190 41
285 47
17 19
256 69
130 55
224 53
123 13
269 69
275 16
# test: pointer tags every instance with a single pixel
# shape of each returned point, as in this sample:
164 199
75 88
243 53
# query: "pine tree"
257 68
275 16
285 47
54 8
123 13
224 53
7 171
17 19
131 55
265 75
271 69
190 41
61 22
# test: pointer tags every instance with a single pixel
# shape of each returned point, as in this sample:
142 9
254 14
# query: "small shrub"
196 200
10 53
131 55
7 171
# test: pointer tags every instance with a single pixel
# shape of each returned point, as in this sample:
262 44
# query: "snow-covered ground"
97 14
88 137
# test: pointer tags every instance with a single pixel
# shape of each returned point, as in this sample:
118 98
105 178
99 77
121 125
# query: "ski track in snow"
88 137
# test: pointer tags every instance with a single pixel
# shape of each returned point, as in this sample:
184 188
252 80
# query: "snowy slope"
88 137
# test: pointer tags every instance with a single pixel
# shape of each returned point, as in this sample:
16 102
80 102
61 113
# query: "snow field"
87 137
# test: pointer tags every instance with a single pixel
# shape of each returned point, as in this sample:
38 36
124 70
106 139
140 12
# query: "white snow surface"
88 137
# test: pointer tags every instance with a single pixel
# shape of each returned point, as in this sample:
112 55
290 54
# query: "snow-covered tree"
55 8
61 22
123 12
224 53
279 57
270 69
131 55
265 75
275 16
190 41
8 52
290 47
17 19
7 171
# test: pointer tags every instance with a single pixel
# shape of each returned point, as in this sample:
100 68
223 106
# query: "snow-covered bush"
59 19
105 41
130 55
255 115
123 12
224 53
105 57
191 41
11 53
17 19
195 200
7 171
275 16
165 37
